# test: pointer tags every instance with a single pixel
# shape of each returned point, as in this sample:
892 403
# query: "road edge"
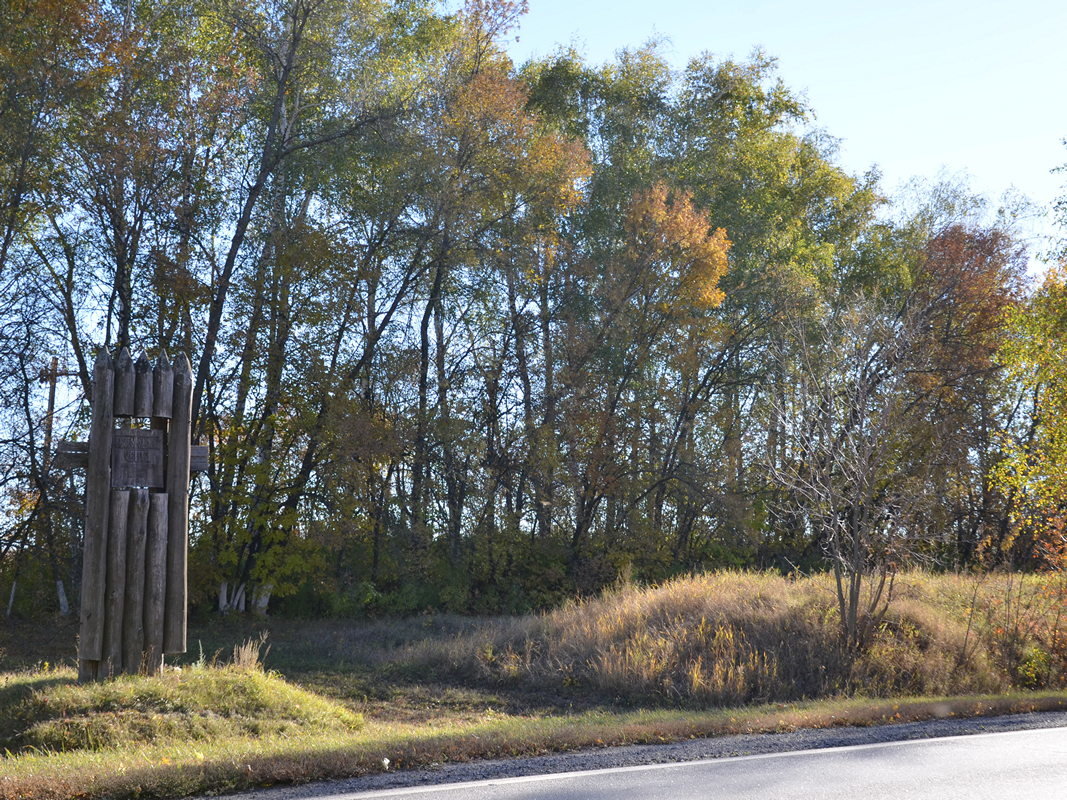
696 749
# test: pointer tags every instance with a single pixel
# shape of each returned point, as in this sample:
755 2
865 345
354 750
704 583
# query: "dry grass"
740 637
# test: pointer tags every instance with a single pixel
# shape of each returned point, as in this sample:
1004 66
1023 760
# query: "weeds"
249 655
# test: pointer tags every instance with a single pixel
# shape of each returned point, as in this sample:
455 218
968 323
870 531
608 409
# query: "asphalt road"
874 750
1016 764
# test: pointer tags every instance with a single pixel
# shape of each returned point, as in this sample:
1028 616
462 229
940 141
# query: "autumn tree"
1033 470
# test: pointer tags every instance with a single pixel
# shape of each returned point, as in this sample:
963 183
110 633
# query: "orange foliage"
970 279
503 152
667 227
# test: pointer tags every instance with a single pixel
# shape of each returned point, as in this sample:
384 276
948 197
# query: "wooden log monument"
133 592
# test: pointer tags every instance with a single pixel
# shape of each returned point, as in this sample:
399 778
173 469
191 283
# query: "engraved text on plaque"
137 458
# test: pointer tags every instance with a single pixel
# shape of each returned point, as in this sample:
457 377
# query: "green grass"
51 712
707 655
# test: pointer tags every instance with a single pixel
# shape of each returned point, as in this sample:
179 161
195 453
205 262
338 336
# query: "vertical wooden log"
178 444
97 490
125 384
162 387
156 570
133 618
155 582
142 391
116 581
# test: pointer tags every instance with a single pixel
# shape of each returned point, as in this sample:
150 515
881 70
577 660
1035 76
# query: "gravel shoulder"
689 750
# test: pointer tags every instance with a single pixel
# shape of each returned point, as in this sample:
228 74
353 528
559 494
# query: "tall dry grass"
729 638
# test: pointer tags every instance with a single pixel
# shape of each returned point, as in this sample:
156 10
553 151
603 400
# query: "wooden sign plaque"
137 459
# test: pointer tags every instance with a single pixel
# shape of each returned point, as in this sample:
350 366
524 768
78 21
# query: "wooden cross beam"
75 455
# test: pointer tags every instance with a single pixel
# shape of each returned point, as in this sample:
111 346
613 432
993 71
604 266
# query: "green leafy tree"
1032 471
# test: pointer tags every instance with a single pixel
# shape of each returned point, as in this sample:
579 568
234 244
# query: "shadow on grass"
12 695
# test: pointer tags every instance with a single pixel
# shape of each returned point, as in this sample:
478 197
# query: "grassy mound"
730 638
52 712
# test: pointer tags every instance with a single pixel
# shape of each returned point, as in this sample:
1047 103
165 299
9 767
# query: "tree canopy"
475 336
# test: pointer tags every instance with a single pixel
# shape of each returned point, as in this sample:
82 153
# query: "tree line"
474 336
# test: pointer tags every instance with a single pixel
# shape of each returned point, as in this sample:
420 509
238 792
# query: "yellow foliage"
1033 470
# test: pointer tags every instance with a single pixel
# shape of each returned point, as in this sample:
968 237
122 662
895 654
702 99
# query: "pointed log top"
143 364
163 387
103 360
123 361
181 364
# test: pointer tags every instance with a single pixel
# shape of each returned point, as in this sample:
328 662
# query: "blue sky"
975 89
